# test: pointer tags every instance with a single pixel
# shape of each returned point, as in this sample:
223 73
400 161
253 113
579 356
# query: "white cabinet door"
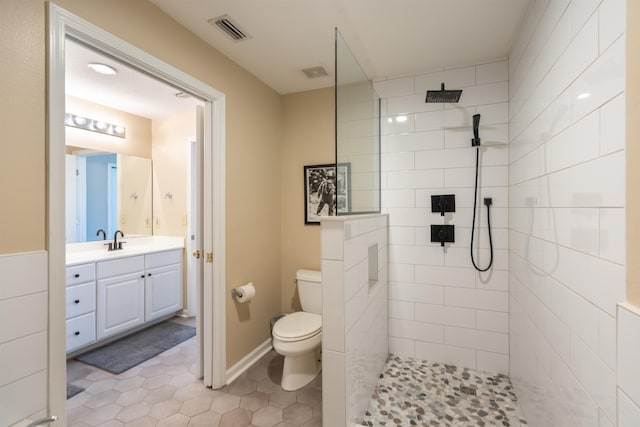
163 291
120 303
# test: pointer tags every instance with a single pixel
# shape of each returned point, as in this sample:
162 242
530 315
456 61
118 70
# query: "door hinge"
209 256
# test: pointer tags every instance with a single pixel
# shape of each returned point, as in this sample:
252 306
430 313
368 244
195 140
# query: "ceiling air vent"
231 29
314 72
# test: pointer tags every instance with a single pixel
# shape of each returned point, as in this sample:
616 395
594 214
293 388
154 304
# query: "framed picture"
327 189
343 184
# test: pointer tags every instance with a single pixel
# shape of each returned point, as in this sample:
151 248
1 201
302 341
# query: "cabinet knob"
76 275
142 277
149 274
77 333
77 301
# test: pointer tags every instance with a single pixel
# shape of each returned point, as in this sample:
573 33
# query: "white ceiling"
389 38
130 90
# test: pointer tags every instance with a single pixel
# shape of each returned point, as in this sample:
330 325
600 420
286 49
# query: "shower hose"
473 225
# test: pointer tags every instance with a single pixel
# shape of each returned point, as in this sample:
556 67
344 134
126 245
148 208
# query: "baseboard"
248 361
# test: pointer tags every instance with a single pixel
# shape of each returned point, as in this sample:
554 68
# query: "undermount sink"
78 253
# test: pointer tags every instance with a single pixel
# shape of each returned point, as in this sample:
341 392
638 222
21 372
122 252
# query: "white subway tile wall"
355 338
440 308
566 213
23 336
628 368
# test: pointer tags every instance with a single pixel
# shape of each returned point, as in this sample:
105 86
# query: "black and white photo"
319 192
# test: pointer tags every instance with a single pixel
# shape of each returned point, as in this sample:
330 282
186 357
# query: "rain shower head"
443 95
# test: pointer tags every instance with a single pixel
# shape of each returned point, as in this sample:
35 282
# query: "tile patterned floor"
164 391
418 393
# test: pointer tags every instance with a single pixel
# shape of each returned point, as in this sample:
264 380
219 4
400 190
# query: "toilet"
298 336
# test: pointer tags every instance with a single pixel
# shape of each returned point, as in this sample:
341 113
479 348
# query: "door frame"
60 25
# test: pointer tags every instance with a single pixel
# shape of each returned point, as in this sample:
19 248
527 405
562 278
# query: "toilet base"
299 371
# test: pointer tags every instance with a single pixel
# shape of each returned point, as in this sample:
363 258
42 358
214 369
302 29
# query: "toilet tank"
310 290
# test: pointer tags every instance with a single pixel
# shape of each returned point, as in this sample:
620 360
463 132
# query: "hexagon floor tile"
164 392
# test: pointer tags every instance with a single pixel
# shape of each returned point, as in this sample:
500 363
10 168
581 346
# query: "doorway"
63 25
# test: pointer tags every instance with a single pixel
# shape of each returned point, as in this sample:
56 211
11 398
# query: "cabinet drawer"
81 331
80 274
160 259
121 266
81 299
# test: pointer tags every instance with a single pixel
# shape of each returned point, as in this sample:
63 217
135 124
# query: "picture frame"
325 188
343 190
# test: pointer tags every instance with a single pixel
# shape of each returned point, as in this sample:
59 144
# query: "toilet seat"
297 326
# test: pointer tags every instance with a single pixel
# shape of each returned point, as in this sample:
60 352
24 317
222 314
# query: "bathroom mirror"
106 191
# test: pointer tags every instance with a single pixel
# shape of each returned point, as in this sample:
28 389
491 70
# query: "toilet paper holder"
243 293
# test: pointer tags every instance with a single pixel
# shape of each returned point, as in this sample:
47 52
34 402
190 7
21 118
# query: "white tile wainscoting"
355 340
23 336
628 366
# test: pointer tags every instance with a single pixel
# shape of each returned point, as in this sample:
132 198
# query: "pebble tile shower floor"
419 393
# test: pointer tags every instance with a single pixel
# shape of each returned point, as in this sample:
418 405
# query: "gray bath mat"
130 351
72 390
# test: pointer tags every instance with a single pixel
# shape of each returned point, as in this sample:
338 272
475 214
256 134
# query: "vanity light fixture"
105 69
80 122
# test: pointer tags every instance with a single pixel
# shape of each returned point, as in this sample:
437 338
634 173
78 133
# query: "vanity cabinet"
163 290
109 297
120 295
80 297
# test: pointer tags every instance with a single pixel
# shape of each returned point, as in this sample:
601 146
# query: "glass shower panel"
357 136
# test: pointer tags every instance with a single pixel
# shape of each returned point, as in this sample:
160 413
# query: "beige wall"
253 131
309 139
633 152
170 135
134 213
22 114
138 129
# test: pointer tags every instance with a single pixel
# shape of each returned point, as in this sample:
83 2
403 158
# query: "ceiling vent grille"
314 72
230 28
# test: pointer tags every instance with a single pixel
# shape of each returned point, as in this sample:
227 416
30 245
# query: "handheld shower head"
475 141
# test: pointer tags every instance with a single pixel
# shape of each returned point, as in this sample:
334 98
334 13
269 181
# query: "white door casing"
60 25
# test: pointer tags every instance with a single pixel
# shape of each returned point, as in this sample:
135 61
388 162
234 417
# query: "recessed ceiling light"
102 68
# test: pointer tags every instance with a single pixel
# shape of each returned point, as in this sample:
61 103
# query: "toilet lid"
298 326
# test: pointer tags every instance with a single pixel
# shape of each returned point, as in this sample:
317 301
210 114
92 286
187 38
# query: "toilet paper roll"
245 293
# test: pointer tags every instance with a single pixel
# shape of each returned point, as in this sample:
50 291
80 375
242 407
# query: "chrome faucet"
117 245
104 234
